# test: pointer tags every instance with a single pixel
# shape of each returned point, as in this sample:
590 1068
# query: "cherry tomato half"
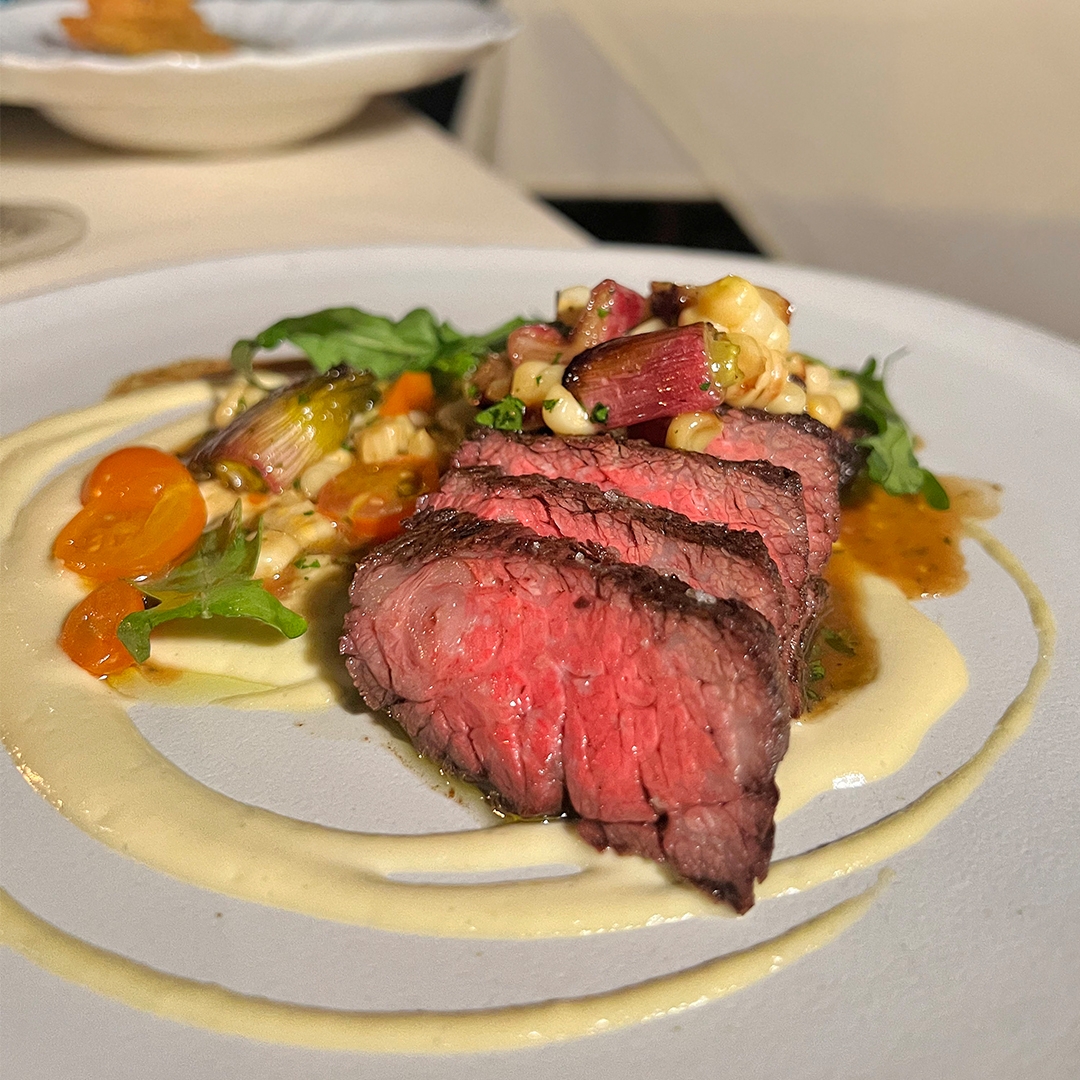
143 512
371 501
89 633
138 473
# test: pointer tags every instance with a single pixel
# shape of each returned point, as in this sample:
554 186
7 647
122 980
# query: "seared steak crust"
555 675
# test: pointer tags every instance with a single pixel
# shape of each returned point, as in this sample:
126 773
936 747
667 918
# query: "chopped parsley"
600 413
505 415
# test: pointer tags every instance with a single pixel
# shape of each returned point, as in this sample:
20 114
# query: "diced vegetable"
412 392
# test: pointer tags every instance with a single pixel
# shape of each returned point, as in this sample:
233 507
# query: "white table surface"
390 176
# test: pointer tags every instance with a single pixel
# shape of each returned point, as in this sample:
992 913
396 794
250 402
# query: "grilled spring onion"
267 447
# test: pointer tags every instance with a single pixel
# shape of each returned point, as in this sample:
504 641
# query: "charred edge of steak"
709 853
848 457
575 497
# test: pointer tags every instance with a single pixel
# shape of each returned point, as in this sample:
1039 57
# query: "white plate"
967 966
302 67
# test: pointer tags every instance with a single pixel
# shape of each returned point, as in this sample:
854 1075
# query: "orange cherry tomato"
371 501
143 512
133 474
89 633
412 391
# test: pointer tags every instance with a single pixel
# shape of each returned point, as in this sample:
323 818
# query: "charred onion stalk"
267 447
610 311
644 376
592 316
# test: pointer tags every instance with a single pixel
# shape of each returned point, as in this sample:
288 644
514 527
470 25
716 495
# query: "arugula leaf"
216 580
505 415
892 462
349 337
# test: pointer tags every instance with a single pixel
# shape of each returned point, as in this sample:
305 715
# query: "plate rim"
493 26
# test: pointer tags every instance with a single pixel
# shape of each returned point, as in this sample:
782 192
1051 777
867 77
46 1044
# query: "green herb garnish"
352 338
216 580
892 462
837 642
505 415
550 403
599 414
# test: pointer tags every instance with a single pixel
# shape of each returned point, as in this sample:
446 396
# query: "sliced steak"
753 496
554 675
712 558
824 460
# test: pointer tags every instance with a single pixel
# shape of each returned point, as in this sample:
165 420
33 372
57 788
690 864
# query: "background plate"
967 966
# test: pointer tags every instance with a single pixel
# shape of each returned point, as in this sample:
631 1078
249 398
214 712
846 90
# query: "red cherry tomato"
89 633
371 501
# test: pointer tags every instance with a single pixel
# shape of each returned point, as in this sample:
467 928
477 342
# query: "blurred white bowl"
302 67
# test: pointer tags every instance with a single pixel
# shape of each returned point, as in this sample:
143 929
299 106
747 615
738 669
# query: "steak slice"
753 496
556 676
824 460
711 558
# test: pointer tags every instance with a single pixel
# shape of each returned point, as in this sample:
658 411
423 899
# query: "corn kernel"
817 378
571 303
238 397
693 431
325 469
533 380
826 408
649 326
846 393
567 416
276 553
384 440
790 399
735 305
